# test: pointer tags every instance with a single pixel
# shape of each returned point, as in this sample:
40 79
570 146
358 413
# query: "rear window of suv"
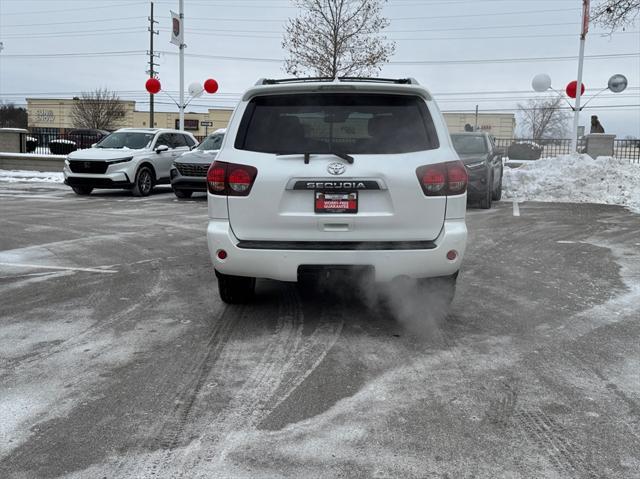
337 122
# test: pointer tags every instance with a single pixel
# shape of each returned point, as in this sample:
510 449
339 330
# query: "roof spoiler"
401 81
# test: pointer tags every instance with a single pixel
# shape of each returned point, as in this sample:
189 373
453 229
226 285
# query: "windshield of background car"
469 144
130 140
212 142
337 122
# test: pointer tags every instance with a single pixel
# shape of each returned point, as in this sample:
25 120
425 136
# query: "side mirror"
162 148
93 145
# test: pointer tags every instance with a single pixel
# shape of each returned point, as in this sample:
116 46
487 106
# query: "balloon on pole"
195 89
211 86
572 89
541 82
153 85
618 83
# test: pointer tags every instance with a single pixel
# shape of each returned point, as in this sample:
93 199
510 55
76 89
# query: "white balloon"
541 82
618 83
195 89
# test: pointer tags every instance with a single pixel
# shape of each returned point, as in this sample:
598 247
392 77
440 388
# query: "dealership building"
52 116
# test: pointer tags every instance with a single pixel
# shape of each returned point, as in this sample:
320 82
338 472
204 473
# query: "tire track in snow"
284 367
173 428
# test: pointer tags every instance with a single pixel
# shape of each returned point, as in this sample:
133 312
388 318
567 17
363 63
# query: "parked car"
189 171
130 158
483 161
309 182
86 137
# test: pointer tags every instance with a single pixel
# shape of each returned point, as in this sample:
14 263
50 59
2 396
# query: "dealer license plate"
334 202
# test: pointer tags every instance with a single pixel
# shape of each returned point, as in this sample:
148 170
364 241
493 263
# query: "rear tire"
82 190
485 203
144 182
183 194
235 289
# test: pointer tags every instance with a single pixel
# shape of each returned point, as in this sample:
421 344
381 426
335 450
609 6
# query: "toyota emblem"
336 168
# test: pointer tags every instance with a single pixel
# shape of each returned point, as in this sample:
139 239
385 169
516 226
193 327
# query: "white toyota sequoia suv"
130 158
318 174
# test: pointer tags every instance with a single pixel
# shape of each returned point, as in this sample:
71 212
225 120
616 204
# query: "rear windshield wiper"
307 155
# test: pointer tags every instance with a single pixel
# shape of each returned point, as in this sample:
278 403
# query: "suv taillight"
230 179
443 179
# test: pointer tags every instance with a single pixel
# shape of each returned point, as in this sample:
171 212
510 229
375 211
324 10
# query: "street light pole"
182 45
583 37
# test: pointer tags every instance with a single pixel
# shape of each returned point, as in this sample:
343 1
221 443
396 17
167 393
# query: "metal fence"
60 143
528 149
521 148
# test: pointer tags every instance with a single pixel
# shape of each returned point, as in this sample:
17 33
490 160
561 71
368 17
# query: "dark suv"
189 171
483 161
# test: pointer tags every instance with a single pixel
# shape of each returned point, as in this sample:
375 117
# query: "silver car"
189 171
130 158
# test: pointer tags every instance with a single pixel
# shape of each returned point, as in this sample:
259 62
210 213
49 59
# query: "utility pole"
152 64
583 37
182 45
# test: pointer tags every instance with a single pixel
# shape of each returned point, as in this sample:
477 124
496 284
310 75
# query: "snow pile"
576 179
15 176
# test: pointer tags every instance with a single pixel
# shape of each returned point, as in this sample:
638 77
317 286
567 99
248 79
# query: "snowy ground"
118 360
15 176
575 179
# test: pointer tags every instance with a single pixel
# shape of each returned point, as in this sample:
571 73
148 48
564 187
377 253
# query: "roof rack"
404 81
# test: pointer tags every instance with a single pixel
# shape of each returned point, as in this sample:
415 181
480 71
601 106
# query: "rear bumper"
283 264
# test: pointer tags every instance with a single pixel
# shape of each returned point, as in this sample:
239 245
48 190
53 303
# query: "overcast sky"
450 46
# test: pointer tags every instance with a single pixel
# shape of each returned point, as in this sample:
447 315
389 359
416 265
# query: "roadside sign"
206 123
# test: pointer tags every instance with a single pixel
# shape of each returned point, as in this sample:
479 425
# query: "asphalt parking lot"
118 360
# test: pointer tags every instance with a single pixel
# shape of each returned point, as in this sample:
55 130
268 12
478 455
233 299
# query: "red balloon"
152 85
210 85
572 89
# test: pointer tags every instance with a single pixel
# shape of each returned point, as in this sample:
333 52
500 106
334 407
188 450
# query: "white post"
583 36
182 45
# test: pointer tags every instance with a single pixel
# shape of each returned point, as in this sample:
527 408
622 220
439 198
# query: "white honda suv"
130 158
322 174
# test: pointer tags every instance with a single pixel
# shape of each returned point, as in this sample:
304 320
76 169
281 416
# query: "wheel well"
150 166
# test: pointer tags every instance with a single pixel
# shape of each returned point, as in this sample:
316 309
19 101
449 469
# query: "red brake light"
442 179
230 179
216 179
434 180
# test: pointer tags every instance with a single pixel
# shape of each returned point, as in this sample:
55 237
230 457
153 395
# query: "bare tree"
543 118
615 14
100 109
337 38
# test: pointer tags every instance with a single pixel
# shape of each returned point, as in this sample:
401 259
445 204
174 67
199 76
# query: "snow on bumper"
388 264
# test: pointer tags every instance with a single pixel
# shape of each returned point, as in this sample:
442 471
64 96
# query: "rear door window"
337 122
178 140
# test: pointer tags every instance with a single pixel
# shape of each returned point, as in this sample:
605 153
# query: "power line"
36 12
75 55
492 37
431 17
102 20
427 62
